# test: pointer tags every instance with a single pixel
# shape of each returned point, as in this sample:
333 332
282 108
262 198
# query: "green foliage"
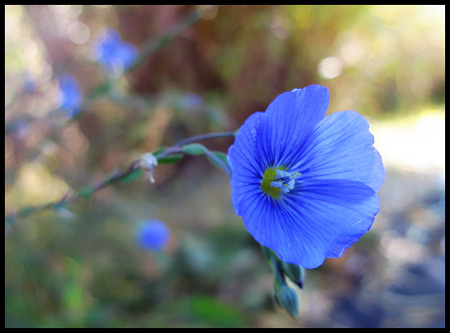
194 149
221 156
172 158
85 192
215 312
132 176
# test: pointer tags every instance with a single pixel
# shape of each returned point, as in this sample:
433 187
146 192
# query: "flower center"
277 181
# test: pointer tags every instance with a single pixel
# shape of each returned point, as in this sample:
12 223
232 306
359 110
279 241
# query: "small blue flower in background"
153 235
29 86
192 104
304 184
114 54
21 128
70 95
192 101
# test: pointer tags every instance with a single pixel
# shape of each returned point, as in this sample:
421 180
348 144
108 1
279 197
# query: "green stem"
161 41
277 269
70 196
175 147
223 165
205 136
112 179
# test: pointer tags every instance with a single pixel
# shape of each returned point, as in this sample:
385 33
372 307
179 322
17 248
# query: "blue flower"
113 54
305 184
192 101
29 85
70 95
153 235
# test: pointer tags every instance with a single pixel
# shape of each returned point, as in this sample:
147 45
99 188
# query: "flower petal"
320 219
70 94
127 54
341 147
246 169
288 120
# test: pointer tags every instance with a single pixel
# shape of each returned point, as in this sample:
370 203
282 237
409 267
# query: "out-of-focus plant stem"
156 44
87 191
105 86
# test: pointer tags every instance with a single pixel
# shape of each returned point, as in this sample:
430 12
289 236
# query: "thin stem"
199 137
205 136
88 191
105 86
70 196
158 43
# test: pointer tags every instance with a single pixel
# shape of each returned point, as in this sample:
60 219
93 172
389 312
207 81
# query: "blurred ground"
81 267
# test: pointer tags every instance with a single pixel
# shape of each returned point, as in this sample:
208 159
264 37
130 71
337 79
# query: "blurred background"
81 266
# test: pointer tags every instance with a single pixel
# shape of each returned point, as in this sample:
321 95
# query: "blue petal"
341 147
70 94
246 169
320 219
111 37
114 54
287 122
127 53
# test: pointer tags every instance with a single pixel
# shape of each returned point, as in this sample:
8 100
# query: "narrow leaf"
194 149
85 192
170 159
220 155
135 174
219 160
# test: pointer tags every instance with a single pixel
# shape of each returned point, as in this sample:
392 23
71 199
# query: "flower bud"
287 298
295 273
149 161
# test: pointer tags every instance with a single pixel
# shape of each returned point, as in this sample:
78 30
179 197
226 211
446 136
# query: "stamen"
277 181
285 180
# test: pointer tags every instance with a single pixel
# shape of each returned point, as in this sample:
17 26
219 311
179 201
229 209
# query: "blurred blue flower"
192 101
153 235
114 54
70 95
29 86
305 184
20 128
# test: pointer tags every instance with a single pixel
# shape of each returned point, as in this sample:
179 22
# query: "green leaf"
25 211
100 90
85 192
221 156
215 312
194 149
133 175
172 158
219 159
